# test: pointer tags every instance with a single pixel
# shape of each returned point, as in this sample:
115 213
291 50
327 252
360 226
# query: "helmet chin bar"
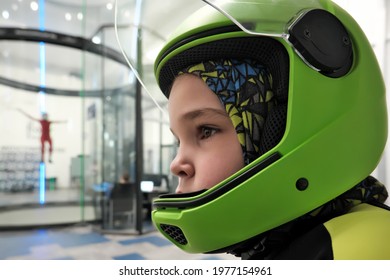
322 41
193 200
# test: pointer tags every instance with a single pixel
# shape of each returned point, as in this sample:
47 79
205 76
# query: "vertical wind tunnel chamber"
73 117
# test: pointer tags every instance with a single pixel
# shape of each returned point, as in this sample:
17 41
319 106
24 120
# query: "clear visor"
142 28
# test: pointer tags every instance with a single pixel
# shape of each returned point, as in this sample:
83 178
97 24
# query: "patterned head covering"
244 88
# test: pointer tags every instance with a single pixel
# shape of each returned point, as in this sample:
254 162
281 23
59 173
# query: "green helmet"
326 134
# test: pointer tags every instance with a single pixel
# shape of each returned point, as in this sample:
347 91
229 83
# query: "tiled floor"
86 242
77 242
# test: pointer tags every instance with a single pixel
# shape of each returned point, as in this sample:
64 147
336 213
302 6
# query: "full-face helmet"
326 134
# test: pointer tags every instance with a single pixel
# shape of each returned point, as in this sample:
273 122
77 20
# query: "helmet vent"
175 233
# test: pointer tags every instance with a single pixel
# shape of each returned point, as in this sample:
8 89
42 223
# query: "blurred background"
62 57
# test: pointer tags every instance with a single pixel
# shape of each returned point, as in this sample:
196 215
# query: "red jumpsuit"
45 137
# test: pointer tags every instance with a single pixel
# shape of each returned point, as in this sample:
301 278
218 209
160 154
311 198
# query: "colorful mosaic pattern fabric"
370 190
245 89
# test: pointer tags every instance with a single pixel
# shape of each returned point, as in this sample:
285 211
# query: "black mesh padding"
274 128
175 233
267 51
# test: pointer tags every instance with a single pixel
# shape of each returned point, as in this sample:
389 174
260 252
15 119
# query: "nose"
182 165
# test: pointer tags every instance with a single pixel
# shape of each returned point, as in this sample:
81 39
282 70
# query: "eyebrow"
192 115
205 111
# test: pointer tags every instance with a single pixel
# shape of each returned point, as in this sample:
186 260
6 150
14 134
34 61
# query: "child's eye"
206 132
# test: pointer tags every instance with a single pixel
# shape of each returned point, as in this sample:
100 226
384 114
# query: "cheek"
219 166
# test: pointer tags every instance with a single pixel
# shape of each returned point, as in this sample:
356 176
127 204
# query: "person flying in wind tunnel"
45 124
278 136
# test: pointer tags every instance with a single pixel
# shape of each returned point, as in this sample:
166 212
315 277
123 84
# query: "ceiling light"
109 6
5 14
80 16
96 40
68 16
34 6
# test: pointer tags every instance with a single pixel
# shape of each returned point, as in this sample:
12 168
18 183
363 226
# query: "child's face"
209 150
